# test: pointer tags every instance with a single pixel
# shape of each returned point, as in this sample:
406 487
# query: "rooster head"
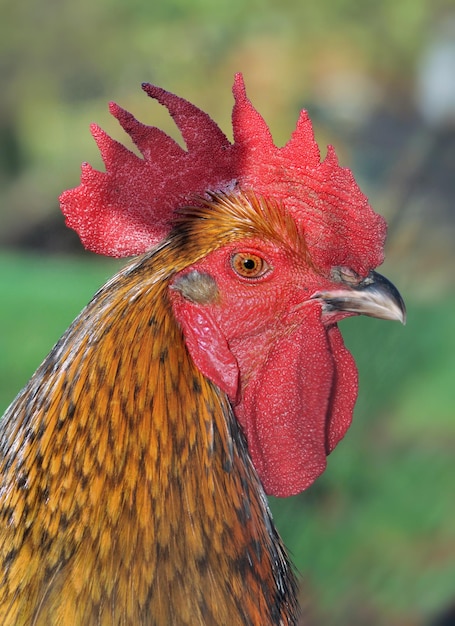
280 246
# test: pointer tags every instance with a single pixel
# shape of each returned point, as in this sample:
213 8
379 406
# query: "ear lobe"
207 345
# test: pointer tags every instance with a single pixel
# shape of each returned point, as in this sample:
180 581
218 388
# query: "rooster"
206 373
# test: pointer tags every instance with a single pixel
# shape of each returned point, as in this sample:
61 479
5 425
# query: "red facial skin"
281 360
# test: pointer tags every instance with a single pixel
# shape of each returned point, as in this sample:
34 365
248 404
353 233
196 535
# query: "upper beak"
374 296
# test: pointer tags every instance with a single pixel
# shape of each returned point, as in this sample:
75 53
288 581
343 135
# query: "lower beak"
374 296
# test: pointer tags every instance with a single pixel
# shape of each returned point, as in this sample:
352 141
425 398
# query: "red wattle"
298 405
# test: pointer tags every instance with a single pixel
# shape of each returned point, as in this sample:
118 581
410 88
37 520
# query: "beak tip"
400 317
375 297
400 306
387 298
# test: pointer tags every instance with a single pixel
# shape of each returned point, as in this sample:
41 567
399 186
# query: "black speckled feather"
128 495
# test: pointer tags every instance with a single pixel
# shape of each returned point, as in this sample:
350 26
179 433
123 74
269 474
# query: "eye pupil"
249 264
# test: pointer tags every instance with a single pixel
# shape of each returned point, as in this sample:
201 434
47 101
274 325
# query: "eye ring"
249 265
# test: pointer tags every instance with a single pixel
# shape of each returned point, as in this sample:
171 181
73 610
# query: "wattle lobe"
344 389
298 405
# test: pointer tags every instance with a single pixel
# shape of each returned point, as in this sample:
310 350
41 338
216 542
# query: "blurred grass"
374 538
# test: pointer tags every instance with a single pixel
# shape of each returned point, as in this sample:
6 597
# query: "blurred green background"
374 538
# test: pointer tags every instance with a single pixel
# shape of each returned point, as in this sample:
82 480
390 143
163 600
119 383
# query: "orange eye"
248 265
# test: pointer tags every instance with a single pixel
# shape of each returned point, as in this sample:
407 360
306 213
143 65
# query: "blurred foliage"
374 538
352 64
60 62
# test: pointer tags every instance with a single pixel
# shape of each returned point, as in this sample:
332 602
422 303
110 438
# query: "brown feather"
128 495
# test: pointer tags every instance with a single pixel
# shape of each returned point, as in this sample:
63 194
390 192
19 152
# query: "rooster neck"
129 489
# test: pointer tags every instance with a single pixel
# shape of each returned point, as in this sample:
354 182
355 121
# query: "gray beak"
374 296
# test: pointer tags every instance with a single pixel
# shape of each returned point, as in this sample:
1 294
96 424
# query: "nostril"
345 275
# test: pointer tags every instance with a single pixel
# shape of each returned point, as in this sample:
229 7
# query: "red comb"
129 208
